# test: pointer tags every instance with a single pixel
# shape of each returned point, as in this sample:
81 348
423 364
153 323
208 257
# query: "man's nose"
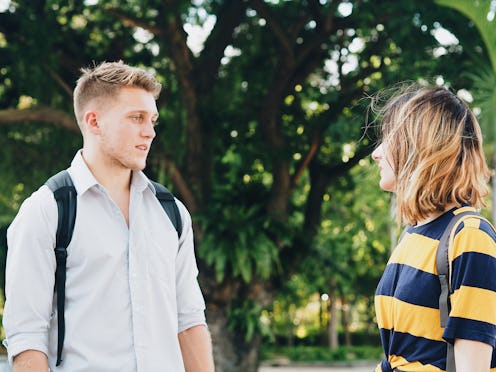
149 130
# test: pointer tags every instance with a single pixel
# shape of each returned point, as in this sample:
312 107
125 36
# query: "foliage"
237 238
245 317
484 92
353 243
29 154
295 312
349 255
323 354
482 72
260 125
481 13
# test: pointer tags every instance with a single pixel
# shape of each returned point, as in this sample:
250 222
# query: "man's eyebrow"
139 111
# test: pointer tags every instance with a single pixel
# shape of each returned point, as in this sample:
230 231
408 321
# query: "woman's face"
382 158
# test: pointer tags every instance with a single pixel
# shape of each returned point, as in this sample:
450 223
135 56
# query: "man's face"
127 128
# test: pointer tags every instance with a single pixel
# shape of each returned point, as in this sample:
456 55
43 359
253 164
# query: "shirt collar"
140 182
81 175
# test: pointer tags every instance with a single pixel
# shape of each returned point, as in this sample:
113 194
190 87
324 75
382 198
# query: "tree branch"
43 114
342 169
56 77
180 183
296 29
132 21
315 8
328 26
320 178
316 140
228 18
286 73
264 12
197 161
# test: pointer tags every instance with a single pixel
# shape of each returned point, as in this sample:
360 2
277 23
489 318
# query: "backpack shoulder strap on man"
443 272
66 197
169 205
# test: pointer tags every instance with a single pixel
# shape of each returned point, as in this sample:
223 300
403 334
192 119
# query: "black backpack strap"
65 195
169 205
443 272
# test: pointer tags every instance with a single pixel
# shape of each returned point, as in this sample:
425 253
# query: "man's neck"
113 177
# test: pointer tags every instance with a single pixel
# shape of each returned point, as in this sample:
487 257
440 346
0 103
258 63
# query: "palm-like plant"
483 76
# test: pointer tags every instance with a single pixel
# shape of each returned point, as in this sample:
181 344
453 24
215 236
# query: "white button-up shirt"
129 289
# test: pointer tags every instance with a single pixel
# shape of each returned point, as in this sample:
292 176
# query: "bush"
322 354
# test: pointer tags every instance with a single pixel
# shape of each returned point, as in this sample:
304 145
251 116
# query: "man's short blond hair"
105 80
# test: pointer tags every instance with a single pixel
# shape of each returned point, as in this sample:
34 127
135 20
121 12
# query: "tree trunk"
333 323
232 352
345 311
290 335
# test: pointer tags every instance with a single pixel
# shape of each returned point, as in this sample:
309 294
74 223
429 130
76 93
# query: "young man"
133 302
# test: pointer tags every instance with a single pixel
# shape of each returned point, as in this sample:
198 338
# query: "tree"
352 247
258 125
483 76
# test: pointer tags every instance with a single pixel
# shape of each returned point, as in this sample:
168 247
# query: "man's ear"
91 122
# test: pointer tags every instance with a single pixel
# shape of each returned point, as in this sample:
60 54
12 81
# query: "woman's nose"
376 153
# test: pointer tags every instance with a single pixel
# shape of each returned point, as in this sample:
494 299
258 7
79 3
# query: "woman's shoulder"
475 223
474 234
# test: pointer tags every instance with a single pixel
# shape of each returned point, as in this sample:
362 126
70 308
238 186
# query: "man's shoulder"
155 187
43 196
39 210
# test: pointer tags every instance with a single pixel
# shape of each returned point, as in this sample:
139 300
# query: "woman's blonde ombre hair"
434 144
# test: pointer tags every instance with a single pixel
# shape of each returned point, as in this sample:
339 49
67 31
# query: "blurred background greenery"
261 135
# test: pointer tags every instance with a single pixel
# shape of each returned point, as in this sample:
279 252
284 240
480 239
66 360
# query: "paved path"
358 367
317 369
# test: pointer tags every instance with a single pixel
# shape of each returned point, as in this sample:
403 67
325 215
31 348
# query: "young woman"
430 156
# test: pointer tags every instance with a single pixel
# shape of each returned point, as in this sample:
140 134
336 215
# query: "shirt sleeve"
29 277
473 282
190 302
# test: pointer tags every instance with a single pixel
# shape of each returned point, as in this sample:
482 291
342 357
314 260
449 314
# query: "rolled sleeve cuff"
19 343
190 320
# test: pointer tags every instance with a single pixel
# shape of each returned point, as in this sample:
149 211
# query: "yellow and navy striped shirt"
407 296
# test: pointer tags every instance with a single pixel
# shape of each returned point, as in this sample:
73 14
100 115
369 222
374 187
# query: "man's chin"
138 167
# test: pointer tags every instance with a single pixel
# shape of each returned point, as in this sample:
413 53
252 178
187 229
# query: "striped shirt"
407 296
